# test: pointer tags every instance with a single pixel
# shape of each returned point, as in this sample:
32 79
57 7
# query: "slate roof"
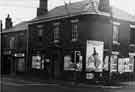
73 9
18 27
80 8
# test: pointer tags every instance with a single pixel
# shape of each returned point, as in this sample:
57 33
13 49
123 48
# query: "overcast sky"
22 10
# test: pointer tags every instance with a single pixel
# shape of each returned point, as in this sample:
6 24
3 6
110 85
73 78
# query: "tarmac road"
25 86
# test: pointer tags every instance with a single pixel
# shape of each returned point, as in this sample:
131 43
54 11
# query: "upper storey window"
75 33
132 34
116 31
56 32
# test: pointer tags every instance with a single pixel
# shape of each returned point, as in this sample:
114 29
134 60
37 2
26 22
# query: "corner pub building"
85 41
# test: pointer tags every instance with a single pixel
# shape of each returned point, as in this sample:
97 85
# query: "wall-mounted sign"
94 56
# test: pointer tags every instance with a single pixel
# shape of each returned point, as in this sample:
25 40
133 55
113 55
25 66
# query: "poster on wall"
132 63
113 64
129 64
36 62
94 56
73 61
126 65
106 63
121 65
68 63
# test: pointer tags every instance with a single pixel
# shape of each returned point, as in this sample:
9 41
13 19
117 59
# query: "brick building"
85 40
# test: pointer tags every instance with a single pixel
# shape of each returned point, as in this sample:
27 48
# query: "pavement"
28 80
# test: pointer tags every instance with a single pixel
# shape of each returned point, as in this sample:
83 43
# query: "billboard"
94 56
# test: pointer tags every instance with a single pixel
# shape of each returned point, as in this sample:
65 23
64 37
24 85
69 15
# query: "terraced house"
86 40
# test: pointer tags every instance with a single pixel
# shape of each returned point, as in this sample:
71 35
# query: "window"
12 42
116 29
132 35
56 31
73 61
40 30
74 30
38 62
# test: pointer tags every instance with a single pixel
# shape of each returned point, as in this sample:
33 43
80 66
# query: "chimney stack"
8 23
104 5
43 7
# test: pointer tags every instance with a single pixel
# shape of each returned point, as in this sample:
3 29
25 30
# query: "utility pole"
0 46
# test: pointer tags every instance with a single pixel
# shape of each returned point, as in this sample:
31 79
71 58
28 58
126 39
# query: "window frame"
75 33
56 32
115 38
132 34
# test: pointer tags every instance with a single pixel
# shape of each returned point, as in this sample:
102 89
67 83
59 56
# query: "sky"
23 10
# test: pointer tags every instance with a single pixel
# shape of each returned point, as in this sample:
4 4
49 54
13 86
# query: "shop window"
132 35
37 62
73 61
116 29
75 33
56 32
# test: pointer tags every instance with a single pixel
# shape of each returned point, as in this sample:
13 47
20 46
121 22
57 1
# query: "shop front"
46 63
7 62
73 64
122 68
19 62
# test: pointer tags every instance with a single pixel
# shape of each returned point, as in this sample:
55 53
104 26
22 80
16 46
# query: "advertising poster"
89 75
129 64
113 64
94 56
68 64
106 63
126 65
36 62
121 67
132 61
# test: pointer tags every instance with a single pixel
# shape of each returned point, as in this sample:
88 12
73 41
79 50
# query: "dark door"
6 64
56 64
